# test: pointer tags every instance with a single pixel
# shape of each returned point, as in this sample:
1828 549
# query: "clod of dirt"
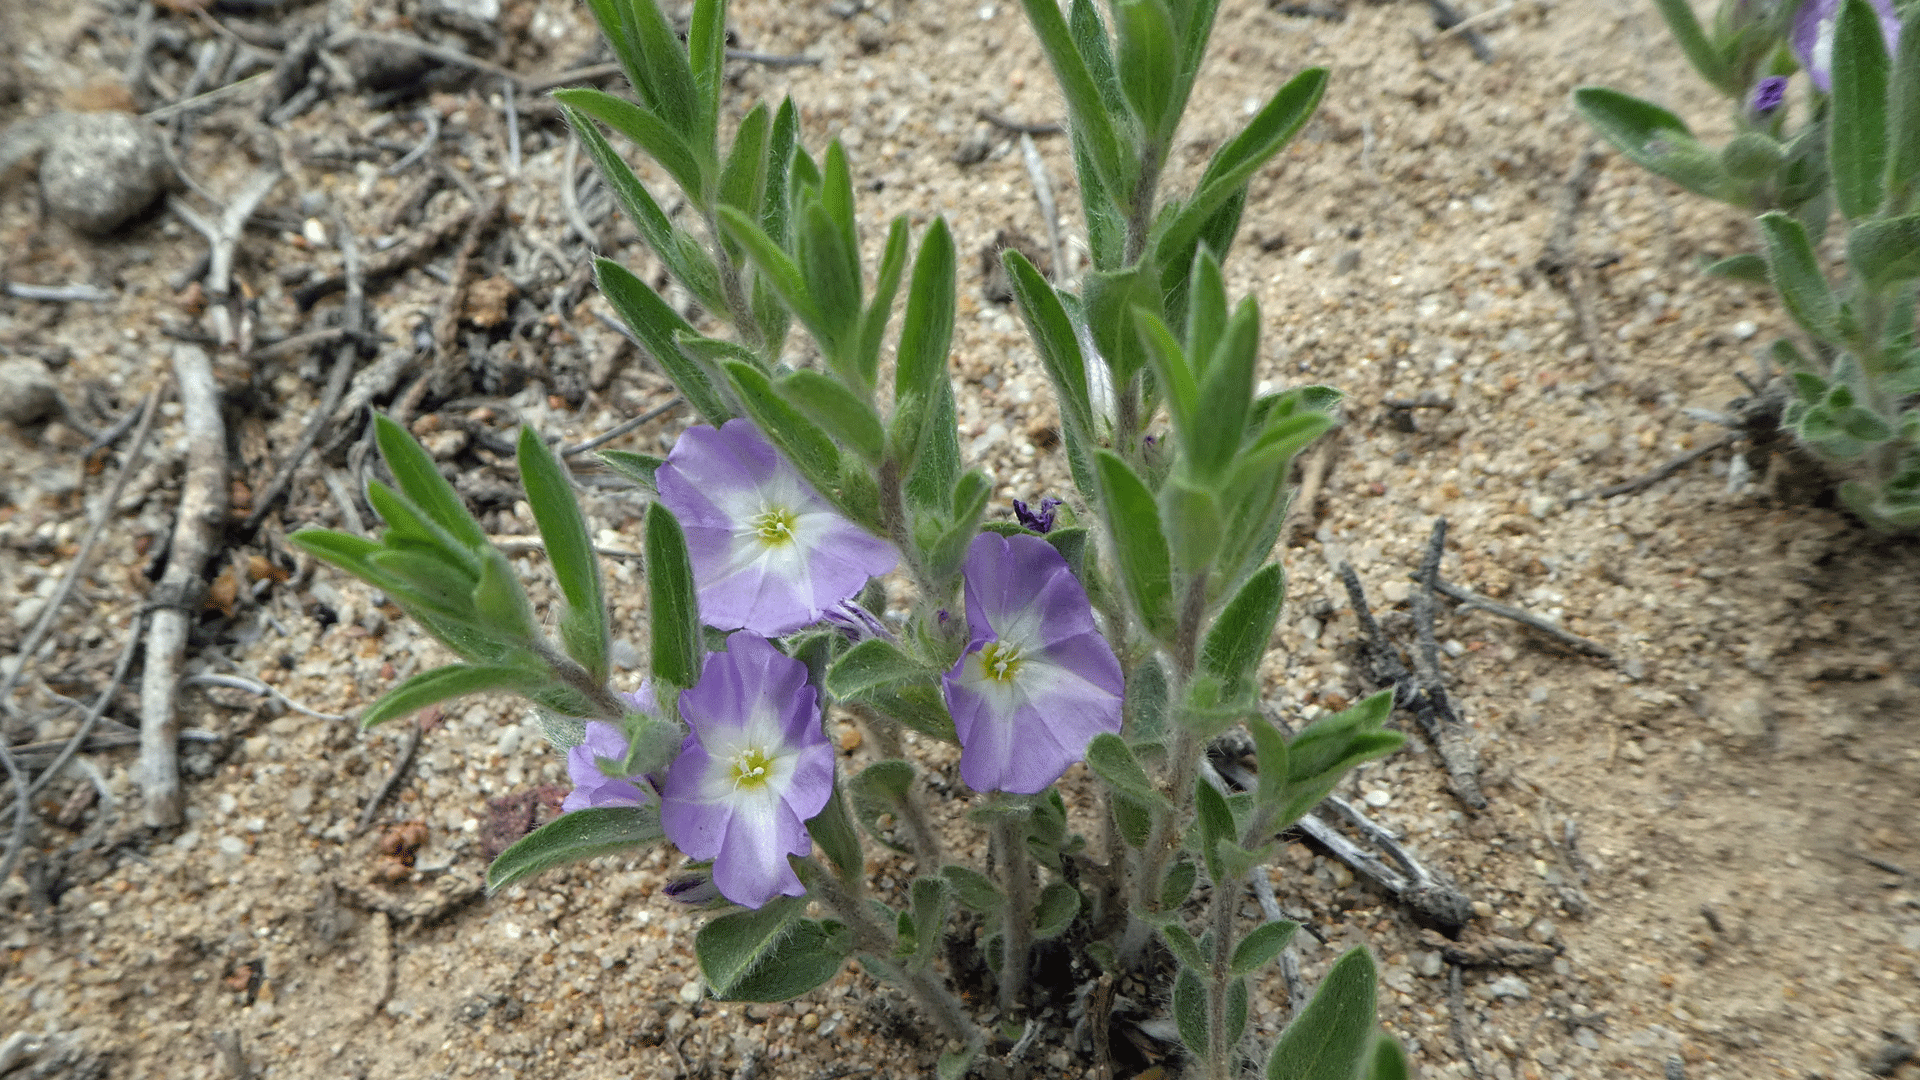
27 394
97 170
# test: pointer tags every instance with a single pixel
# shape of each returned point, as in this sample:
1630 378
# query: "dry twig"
177 598
392 783
1444 728
81 557
1470 599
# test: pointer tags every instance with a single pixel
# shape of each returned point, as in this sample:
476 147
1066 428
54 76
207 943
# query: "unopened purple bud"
1768 95
696 890
1040 521
857 623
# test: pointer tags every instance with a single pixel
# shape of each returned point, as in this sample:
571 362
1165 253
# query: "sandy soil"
1706 834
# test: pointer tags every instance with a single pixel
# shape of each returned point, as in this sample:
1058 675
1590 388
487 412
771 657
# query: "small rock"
1510 986
1377 798
27 393
101 170
1745 329
691 991
480 11
1396 592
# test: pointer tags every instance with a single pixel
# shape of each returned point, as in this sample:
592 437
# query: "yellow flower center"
775 526
751 768
1000 661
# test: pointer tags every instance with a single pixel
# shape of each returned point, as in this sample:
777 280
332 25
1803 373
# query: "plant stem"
568 671
1140 214
893 515
1016 930
1219 979
739 308
913 810
877 942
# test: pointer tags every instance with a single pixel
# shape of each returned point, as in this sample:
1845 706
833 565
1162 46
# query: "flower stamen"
775 526
1000 661
750 768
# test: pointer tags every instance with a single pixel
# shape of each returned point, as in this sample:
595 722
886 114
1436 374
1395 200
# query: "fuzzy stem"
893 516
733 290
1016 930
877 942
1140 214
1219 978
569 671
913 810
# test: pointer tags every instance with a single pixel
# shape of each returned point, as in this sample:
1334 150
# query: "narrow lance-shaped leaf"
1240 634
582 834
886 286
657 326
1884 251
706 57
743 180
1090 118
926 336
1053 333
1149 66
782 274
1235 162
1903 123
1141 549
838 410
1111 760
1330 1038
445 683
570 551
1858 131
421 481
659 138
673 604
770 954
1692 39
1796 274
1656 140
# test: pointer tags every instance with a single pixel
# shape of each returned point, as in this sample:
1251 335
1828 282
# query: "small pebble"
101 170
1745 329
1377 798
27 393
1510 986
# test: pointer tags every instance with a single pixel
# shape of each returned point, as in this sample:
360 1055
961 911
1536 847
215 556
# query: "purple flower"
756 767
588 764
1041 520
1812 36
769 554
1037 681
1768 95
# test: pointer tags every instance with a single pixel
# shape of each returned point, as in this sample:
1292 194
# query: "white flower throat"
774 526
752 767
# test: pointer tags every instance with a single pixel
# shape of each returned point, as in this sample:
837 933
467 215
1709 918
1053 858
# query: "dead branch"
353 320
177 598
1448 733
392 782
1470 599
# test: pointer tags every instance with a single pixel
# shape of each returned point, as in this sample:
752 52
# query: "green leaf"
1108 297
833 830
931 898
501 603
443 683
1178 884
1857 147
1054 336
421 482
409 529
659 137
658 327
926 338
880 788
1226 391
1885 251
1270 755
706 57
1181 943
1234 164
1190 1011
955 1064
969 503
1656 140
582 834
673 603
1240 634
743 180
1174 370
1216 824
837 410
1055 911
1795 271
1262 944
683 255
639 468
799 438
1149 69
1389 1061
1693 41
1087 111
919 708
1134 522
1132 820
779 271
873 324
832 273
1746 267
1111 760
1331 1036
743 961
1903 123
974 889
873 663
563 529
